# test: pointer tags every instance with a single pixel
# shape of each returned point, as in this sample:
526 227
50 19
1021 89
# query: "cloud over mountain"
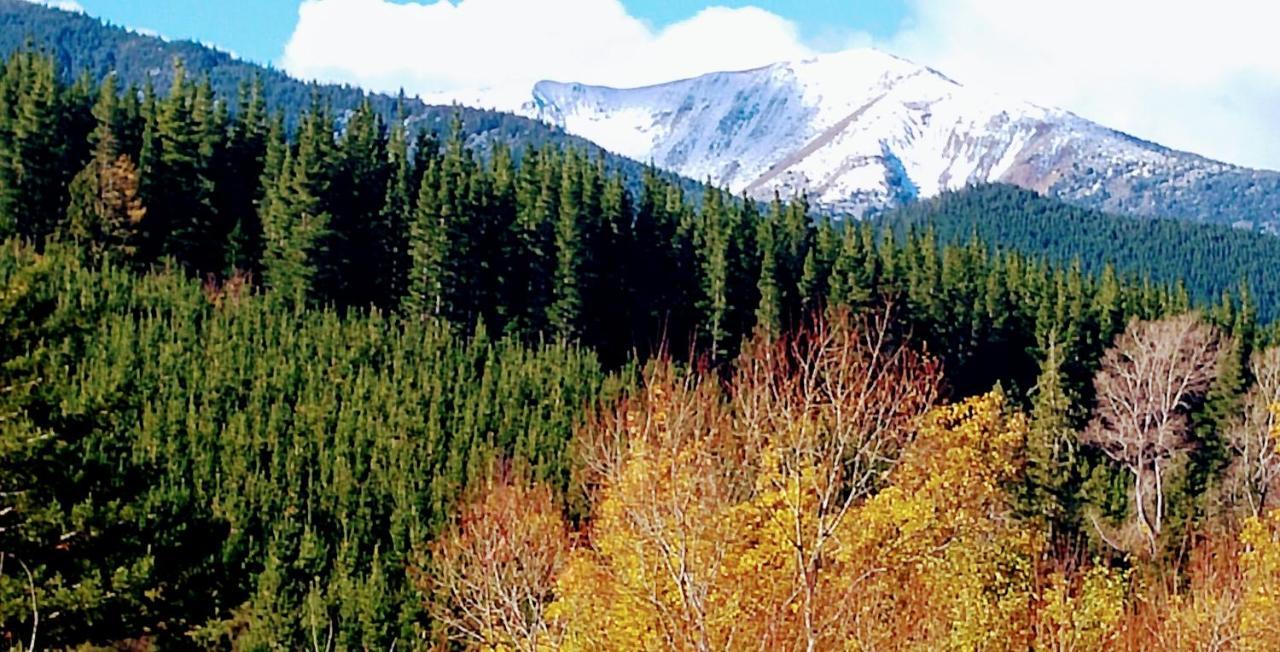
1194 75
481 47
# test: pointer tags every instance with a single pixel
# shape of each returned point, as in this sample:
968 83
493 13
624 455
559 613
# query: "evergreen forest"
341 380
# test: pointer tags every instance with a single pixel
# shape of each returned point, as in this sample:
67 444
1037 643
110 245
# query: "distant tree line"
1208 259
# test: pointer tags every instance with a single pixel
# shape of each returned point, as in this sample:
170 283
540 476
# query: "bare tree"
1152 377
493 573
836 404
1252 437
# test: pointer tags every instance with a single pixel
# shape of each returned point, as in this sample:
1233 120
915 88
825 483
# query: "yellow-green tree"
1260 566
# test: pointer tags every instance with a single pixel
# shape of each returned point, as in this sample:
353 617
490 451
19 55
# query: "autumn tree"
106 211
833 408
492 573
1255 468
659 574
1149 381
1260 567
720 516
937 559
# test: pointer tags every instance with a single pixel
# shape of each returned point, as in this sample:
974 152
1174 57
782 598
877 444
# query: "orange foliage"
819 500
492 573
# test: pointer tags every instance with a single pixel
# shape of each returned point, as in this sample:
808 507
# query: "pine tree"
177 188
397 207
356 249
649 261
794 236
296 217
769 310
713 240
564 315
32 174
815 272
852 271
1053 471
429 250
502 242
1225 398
456 199
106 212
744 266
240 177
612 310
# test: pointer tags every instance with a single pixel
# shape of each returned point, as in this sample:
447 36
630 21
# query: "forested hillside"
356 388
1207 259
83 46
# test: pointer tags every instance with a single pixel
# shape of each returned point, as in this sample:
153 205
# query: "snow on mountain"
862 130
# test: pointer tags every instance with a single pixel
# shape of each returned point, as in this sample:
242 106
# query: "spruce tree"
430 238
240 177
33 177
564 315
769 310
392 272
713 242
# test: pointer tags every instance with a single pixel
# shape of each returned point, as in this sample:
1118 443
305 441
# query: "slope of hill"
862 130
1209 259
85 45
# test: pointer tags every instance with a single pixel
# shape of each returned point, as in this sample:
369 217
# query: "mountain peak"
863 130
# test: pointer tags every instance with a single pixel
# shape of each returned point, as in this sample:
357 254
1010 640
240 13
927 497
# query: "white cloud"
1190 74
65 5
449 50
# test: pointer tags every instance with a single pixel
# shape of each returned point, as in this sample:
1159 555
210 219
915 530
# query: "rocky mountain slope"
861 131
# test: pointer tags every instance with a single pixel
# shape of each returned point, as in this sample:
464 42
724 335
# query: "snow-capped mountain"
863 130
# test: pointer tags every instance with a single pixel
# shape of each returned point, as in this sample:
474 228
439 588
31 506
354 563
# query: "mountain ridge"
862 131
851 139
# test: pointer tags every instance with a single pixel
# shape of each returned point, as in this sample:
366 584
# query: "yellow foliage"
1083 615
732 520
1260 567
683 556
660 572
957 569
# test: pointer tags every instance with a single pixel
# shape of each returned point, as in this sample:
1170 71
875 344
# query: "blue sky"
815 18
256 29
259 29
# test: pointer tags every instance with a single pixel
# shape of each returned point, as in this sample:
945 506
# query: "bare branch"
1255 470
493 573
1148 384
